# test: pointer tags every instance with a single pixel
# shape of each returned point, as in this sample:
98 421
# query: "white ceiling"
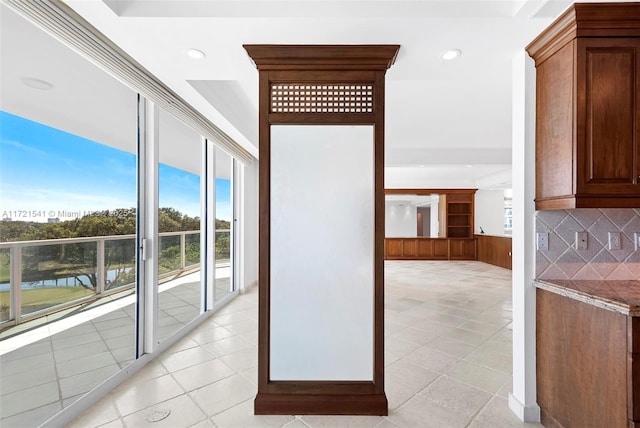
441 116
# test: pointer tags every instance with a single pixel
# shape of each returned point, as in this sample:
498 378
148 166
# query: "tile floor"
43 376
448 361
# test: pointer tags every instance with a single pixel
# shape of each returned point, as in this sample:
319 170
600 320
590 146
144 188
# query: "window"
508 214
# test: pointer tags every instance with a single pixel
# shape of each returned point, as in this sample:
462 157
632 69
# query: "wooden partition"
430 249
455 239
495 250
321 311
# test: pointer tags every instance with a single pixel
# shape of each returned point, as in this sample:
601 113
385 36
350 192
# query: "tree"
78 260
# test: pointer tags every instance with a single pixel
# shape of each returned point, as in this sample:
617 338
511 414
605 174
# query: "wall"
400 221
489 211
563 261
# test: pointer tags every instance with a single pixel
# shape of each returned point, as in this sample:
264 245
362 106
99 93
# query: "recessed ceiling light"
421 166
196 54
37 83
451 54
469 166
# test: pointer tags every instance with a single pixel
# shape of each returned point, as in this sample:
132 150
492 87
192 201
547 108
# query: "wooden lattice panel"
333 98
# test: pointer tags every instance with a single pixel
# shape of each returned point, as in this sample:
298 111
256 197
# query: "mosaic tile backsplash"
563 261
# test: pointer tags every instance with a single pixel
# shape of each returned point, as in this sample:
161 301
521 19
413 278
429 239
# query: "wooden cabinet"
459 215
588 365
429 249
588 108
462 249
495 250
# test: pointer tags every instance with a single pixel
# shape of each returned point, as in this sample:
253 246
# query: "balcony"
41 278
68 313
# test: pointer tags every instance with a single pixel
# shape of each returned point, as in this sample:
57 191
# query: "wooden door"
608 117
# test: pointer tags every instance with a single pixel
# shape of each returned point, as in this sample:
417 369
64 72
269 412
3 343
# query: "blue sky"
45 171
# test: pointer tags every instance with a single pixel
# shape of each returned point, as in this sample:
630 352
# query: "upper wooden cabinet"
588 108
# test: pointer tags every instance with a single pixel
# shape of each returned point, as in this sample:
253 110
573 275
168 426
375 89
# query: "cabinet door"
607 116
462 249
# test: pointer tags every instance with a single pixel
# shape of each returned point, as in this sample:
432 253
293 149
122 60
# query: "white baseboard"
529 413
248 287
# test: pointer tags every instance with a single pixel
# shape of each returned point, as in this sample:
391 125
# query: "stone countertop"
621 296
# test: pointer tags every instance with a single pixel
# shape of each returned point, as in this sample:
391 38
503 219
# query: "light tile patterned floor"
448 359
39 379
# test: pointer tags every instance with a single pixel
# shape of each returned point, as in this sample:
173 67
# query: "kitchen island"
588 353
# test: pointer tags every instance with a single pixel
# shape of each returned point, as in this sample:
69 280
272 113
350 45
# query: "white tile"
134 396
342 421
80 339
413 335
481 377
84 382
86 363
31 418
152 370
488 358
26 364
241 416
72 352
432 359
451 347
403 380
207 423
297 423
419 412
29 399
243 360
224 394
204 336
183 413
464 400
399 346
36 376
228 346
187 358
104 411
202 374
31 350
251 375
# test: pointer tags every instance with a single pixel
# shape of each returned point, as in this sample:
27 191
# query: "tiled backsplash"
563 261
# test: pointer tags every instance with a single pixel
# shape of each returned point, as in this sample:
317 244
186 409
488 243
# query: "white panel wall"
322 253
489 211
400 220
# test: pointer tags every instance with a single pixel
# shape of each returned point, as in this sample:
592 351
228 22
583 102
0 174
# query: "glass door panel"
179 227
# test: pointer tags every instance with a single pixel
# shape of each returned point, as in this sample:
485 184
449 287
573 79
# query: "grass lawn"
4 274
45 297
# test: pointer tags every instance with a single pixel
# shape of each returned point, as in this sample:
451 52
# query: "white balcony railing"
40 277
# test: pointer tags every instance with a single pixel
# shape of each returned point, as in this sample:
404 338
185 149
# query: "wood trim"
379 224
321 387
264 261
586 20
577 201
322 118
403 191
297 64
323 57
320 404
633 370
